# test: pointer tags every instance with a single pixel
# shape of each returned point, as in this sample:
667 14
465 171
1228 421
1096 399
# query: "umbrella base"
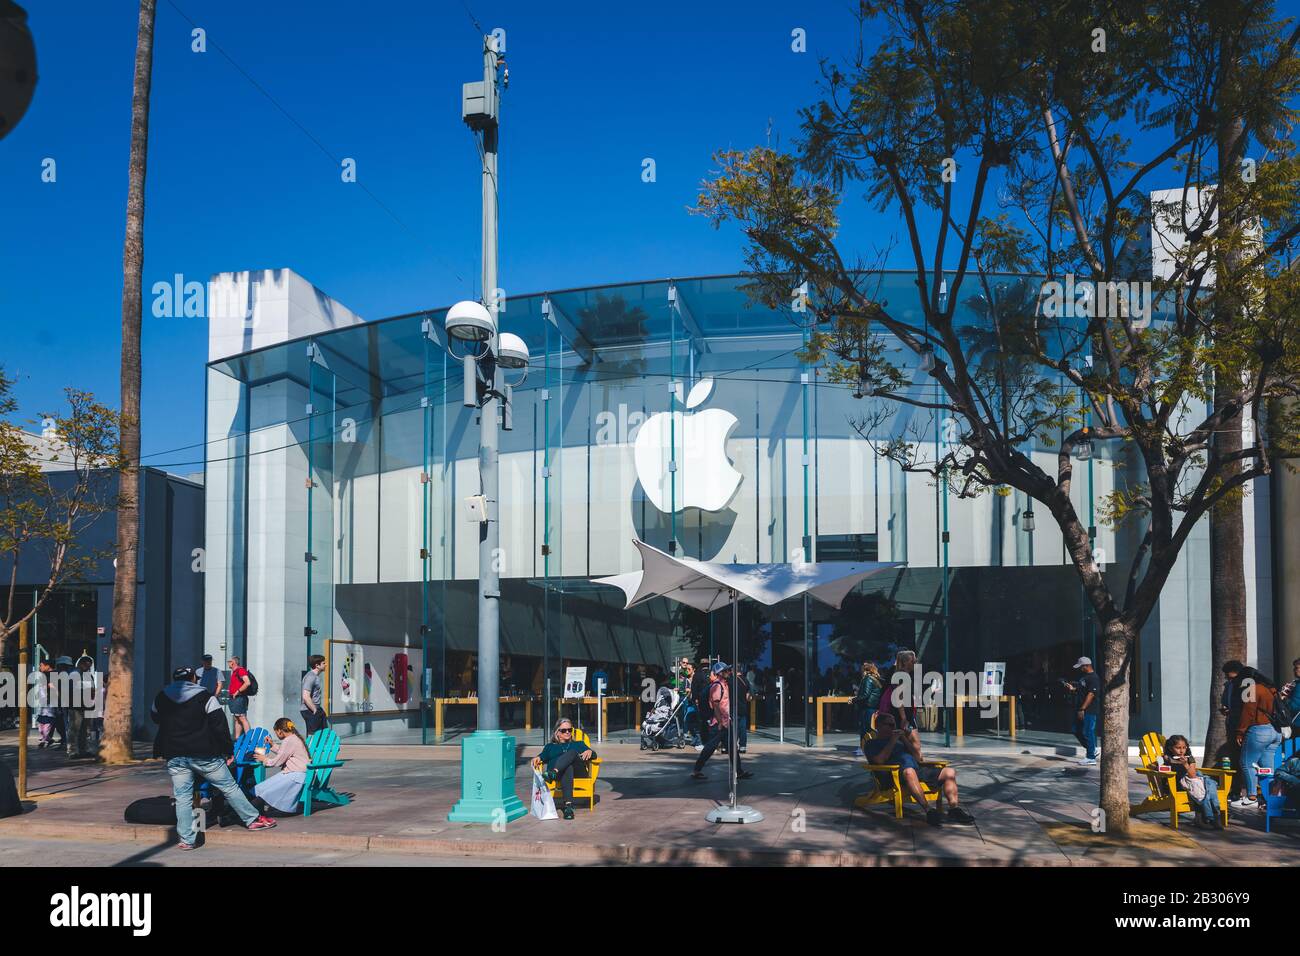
729 814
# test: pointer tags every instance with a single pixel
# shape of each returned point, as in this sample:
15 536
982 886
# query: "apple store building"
341 454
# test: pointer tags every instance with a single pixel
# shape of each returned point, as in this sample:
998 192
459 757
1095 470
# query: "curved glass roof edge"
734 287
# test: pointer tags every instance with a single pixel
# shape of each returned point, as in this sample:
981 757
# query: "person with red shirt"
239 683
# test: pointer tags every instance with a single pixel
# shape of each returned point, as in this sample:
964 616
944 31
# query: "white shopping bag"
543 804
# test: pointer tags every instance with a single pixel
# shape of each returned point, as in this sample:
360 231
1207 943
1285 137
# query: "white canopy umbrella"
708 585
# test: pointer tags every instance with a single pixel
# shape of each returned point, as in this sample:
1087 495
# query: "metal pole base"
487 773
730 814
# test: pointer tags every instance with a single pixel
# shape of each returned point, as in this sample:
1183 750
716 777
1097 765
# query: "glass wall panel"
687 420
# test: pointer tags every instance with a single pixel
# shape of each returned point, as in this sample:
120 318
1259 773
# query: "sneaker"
1087 761
934 818
262 823
699 747
743 749
567 812
1244 803
698 775
744 775
549 776
186 846
859 753
958 816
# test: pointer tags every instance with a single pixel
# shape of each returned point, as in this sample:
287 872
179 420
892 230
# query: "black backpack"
252 685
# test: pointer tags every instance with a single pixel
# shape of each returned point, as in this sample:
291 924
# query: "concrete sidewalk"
1031 809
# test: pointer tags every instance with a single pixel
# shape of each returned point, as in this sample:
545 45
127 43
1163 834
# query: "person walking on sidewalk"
81 708
1256 735
240 681
719 698
867 700
314 717
194 739
1087 705
700 680
46 716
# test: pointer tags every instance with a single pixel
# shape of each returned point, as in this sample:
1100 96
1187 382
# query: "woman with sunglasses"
560 758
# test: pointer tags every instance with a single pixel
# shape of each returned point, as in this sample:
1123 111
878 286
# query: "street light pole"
489 583
487 757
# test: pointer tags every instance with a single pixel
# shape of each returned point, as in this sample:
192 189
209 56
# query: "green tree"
1026 137
53 487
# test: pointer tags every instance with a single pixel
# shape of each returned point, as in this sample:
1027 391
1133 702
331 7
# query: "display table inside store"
439 703
604 707
821 703
1008 699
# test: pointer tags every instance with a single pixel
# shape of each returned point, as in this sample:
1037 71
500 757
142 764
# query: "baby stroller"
663 725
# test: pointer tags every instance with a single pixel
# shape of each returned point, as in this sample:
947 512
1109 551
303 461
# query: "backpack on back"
252 684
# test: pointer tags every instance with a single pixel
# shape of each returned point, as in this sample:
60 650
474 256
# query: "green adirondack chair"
323 752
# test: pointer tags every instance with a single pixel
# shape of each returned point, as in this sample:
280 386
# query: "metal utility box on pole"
488 755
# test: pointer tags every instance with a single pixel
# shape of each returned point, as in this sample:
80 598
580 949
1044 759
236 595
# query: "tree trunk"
1227 591
116 744
1118 640
1227 524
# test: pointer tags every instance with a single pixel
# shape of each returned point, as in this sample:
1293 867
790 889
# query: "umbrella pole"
734 749
733 813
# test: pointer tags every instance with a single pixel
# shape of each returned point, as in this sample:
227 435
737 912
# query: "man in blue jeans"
194 739
1087 704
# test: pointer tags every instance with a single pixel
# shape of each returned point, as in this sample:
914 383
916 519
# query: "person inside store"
564 757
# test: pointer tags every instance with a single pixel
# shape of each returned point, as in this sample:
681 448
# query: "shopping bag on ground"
543 804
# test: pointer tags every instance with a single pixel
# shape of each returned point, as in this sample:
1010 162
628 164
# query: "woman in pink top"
283 791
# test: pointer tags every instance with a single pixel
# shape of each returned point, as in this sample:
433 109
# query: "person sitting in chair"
1202 793
561 757
892 746
283 791
1286 778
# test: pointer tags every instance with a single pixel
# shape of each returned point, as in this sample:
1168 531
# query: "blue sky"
233 184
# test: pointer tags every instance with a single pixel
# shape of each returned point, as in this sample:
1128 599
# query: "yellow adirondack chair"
584 788
889 785
1164 798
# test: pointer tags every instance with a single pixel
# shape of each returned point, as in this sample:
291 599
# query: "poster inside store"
374 678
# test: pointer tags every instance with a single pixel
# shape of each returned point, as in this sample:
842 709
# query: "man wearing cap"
1087 704
193 738
719 698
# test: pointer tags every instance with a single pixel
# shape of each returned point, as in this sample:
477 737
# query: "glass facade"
338 464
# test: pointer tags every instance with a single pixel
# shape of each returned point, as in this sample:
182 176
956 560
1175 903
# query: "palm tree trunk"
1227 524
116 744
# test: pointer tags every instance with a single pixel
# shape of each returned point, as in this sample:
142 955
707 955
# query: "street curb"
596 854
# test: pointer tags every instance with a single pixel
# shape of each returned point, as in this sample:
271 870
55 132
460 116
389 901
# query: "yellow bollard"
24 719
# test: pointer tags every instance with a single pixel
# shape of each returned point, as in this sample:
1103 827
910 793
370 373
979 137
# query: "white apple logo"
705 477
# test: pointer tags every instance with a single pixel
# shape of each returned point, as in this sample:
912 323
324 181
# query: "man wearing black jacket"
193 738
700 698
